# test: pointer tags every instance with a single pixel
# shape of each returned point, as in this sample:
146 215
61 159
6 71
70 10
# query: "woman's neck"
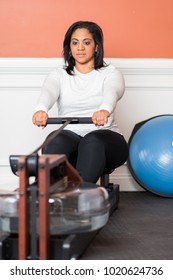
84 68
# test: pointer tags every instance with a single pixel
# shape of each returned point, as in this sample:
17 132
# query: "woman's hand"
40 118
100 118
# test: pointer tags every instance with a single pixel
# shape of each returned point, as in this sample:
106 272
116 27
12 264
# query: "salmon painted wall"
132 28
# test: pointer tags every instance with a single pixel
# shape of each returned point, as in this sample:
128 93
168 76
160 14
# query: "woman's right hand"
40 118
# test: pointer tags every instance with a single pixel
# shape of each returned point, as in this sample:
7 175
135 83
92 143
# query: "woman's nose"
80 46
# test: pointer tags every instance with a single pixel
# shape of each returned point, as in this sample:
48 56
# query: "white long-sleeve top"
81 95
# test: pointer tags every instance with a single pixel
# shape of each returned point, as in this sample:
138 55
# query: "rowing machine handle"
80 120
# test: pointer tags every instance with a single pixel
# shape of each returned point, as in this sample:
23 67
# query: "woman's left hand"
100 118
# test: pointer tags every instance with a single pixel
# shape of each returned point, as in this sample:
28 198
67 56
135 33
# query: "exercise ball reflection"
151 155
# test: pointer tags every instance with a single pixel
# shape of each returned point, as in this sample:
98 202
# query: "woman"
86 87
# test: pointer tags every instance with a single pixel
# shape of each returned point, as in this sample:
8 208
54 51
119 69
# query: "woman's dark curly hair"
97 34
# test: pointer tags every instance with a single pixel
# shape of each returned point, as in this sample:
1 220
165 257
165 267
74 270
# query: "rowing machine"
53 214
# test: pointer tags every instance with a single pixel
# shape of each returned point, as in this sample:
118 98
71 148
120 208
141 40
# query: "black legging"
92 154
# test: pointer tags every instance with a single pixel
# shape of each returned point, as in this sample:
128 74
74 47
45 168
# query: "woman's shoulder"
110 69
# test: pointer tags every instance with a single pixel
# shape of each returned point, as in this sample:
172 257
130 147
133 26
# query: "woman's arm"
49 95
114 87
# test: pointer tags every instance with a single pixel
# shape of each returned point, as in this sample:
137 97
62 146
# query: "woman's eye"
87 43
74 43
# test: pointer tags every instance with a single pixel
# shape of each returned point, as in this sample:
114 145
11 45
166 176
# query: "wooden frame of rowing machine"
45 164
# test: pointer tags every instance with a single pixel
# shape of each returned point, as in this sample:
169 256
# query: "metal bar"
72 120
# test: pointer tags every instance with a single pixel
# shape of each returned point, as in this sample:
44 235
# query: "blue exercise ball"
151 155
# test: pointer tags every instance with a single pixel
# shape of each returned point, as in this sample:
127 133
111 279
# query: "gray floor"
141 228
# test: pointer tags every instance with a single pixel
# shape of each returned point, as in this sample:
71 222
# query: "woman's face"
83 47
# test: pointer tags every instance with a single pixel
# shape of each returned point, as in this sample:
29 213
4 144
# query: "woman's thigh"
66 142
115 148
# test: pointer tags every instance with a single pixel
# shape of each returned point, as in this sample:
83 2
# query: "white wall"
149 92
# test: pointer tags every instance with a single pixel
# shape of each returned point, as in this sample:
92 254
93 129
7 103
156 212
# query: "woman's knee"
93 138
64 142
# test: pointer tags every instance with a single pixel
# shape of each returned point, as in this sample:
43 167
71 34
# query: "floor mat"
141 228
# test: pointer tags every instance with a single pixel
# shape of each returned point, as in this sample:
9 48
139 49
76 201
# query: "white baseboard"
123 177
